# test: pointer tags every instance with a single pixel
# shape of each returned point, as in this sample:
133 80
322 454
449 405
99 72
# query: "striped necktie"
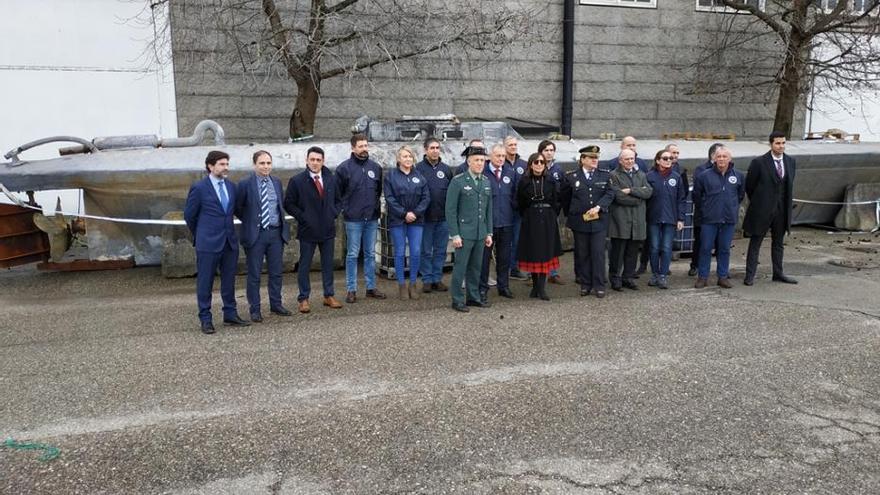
264 203
224 199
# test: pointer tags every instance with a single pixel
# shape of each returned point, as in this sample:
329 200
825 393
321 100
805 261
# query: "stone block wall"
631 76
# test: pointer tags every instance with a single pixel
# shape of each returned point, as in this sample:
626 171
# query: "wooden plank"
86 265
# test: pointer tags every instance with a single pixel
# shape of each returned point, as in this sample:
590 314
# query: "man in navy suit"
263 233
769 184
313 199
208 214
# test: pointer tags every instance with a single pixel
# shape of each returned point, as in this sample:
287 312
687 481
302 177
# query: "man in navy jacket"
435 235
313 200
719 191
263 233
208 213
502 180
360 186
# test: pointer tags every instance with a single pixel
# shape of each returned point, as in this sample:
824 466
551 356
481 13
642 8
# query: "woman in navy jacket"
406 200
666 210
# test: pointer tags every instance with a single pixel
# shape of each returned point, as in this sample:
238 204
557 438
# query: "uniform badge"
520 170
505 179
556 175
440 174
416 180
577 184
467 188
732 179
672 182
371 174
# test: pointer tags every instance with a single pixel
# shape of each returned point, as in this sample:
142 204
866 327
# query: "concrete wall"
630 75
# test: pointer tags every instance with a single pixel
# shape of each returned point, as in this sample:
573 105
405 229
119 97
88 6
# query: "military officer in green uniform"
469 214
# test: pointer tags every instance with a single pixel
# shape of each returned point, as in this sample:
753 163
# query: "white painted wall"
78 68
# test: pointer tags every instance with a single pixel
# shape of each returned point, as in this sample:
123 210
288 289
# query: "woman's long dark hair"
657 159
532 158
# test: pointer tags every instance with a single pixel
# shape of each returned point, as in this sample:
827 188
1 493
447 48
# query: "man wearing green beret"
469 214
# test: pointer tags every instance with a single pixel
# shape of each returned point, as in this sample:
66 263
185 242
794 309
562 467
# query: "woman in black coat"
538 204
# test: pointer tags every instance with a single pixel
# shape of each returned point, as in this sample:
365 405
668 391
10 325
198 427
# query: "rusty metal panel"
21 242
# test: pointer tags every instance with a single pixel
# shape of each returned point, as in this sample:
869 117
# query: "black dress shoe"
505 293
629 284
461 308
749 281
235 321
616 286
585 291
692 271
784 279
256 318
208 327
600 294
281 311
478 304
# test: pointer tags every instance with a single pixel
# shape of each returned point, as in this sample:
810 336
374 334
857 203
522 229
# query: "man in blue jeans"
360 184
435 235
719 191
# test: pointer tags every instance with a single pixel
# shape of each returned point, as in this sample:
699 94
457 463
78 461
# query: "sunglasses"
666 158
542 162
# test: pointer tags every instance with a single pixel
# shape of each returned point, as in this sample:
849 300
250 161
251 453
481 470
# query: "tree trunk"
790 86
302 120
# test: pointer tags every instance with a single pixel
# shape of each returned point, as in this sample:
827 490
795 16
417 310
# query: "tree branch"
760 14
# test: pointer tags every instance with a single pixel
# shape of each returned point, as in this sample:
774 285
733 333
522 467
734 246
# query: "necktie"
224 199
780 170
264 203
589 174
498 174
319 186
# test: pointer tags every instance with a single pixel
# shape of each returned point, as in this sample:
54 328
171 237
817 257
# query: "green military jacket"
469 207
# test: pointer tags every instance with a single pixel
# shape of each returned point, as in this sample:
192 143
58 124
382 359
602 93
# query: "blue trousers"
501 244
207 264
357 235
435 237
400 236
269 247
719 236
306 253
660 237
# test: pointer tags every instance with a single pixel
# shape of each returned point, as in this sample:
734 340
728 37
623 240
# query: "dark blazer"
580 195
211 227
248 208
767 193
315 216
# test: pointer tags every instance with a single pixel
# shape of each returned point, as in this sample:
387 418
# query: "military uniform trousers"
589 253
468 264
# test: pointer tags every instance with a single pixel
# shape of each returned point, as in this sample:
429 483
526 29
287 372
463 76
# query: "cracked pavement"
764 389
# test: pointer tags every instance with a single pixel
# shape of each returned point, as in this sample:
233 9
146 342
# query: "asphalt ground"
765 389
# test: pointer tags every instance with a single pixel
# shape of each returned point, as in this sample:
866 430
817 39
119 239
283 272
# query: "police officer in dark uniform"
586 199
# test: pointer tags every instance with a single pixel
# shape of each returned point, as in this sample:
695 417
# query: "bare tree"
309 41
789 47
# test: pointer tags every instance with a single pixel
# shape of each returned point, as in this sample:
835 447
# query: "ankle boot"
534 293
402 292
542 287
413 290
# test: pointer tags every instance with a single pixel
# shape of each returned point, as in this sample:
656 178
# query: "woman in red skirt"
539 246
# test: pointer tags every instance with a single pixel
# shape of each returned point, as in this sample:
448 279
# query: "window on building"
718 5
645 4
855 7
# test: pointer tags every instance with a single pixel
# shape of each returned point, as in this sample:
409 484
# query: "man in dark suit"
313 199
769 184
208 214
263 233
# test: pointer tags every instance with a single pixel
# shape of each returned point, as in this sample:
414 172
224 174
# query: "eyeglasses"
541 162
666 158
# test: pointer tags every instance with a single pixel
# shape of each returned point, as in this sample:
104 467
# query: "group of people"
494 204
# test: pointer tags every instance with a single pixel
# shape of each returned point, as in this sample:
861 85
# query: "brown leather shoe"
724 283
376 294
351 297
700 284
439 286
556 279
402 292
304 306
331 302
413 289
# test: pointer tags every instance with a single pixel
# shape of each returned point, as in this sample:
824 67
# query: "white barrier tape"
141 221
854 203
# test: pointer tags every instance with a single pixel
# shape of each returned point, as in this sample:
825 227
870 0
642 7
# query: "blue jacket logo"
440 174
732 179
673 182
371 174
505 179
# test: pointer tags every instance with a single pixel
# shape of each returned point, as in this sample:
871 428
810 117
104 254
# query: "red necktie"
498 174
779 169
319 186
